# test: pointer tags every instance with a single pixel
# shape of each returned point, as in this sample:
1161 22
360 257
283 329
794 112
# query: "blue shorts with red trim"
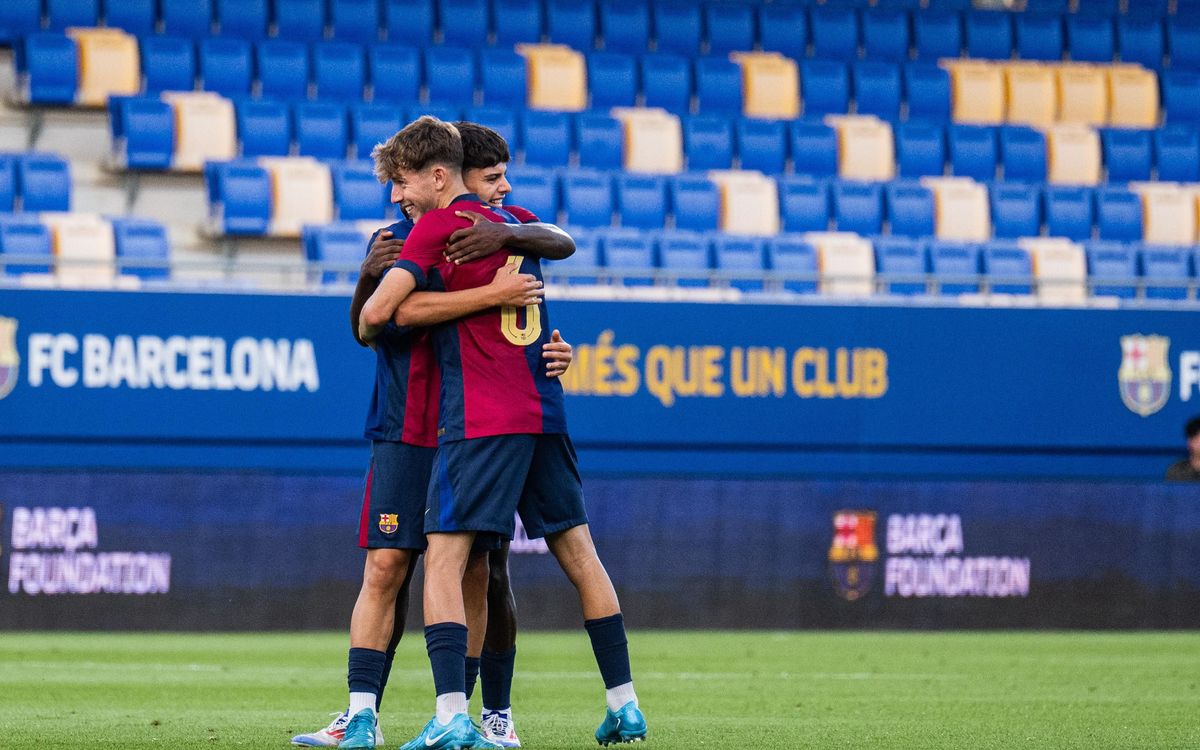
478 483
393 508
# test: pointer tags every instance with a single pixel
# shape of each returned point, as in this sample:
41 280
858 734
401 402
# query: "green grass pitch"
699 689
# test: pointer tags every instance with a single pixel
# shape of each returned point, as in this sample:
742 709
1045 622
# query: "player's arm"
379 308
384 249
485 237
507 289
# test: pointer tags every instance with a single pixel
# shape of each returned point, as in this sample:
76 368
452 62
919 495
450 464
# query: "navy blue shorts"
393 509
479 483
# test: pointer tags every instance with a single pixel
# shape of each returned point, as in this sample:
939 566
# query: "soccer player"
503 441
402 425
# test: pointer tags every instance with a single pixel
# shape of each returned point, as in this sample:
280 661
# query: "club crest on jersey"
853 554
389 523
10 359
1144 376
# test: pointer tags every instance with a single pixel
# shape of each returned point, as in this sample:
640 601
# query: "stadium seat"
1039 36
1008 267
814 149
961 210
667 82
629 255
354 20
826 87
443 112
1102 8
85 255
1165 271
142 248
340 245
1128 154
557 77
937 35
1140 41
168 64
137 17
44 182
502 78
63 13
973 151
686 257
299 20
587 257
783 28
846 263
804 205
571 23
27 240
728 28
356 193
858 207
1177 153
1118 215
185 18
834 33
408 21
240 198
989 35
301 193
450 76
1181 96
955 267
547 138
903 259
749 202
641 200
1069 212
653 140
877 89
676 28
612 79
1016 210
1183 37
1082 95
464 23
910 209
866 147
205 129
1090 38
517 21
320 129
624 25
1133 97
1023 153
108 65
708 142
1108 262
8 184
500 119
1073 155
338 71
600 141
395 73
1032 92
743 258
696 203
264 128
978 91
239 19
885 35
795 260
920 149
1168 213
718 86
371 124
762 144
928 91
282 69
19 18
770 85
225 66
536 190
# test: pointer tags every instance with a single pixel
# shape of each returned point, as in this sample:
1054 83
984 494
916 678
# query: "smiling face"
416 192
489 183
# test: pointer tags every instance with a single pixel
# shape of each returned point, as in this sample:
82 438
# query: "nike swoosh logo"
431 741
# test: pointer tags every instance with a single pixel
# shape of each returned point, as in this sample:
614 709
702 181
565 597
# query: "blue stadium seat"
142 248
740 255
536 190
138 17
517 21
677 28
667 82
1118 215
571 23
502 78
320 129
826 87
1177 153
877 89
26 239
443 112
937 35
464 23
355 20
1090 39
187 18
600 141
792 255
264 128
885 35
356 193
902 259
762 144
928 90
834 33
955 266
1008 266
587 257
1128 154
1183 36
239 19
408 21
695 202
395 73
814 149
1140 40
18 18
973 151
728 28
1165 271
629 255
371 124
1111 261
547 138
641 200
920 149
144 130
708 142
718 86
338 70
612 79
301 20
168 63
44 181
804 205
1023 153
450 75
1016 210
858 207
783 28
910 209
336 245
63 13
624 25
8 184
989 35
282 68
502 120
225 66
1069 212
1181 96
1039 36
50 62
688 254
938 5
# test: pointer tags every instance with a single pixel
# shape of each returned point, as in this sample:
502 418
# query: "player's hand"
382 256
515 289
558 355
479 240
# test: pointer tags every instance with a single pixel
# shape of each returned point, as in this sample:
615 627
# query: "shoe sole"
623 741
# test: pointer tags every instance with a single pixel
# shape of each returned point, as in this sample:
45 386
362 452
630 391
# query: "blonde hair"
422 142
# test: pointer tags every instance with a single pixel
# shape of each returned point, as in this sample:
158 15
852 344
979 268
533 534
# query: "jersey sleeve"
523 215
425 248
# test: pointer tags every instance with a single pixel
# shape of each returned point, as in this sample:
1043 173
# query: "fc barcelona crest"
853 554
1145 376
10 359
389 523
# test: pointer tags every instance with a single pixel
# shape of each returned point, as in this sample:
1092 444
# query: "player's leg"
499 652
399 617
475 583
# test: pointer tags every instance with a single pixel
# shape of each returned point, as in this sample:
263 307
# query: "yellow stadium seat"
749 202
1060 268
976 91
1072 155
1082 94
960 208
653 140
1168 212
866 148
301 193
84 249
845 263
108 65
770 85
205 129
1032 97
1133 96
557 77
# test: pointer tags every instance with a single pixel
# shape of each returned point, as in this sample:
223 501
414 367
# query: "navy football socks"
496 679
472 675
447 646
611 649
389 657
364 676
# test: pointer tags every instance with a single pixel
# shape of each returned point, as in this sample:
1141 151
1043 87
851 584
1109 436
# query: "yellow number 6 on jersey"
532 330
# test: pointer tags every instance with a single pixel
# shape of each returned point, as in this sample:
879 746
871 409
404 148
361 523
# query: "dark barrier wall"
256 550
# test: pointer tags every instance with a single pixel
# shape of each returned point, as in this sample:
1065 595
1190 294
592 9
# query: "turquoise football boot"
360 732
626 725
459 734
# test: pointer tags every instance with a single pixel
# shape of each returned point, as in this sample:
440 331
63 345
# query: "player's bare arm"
383 253
507 289
485 237
377 311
